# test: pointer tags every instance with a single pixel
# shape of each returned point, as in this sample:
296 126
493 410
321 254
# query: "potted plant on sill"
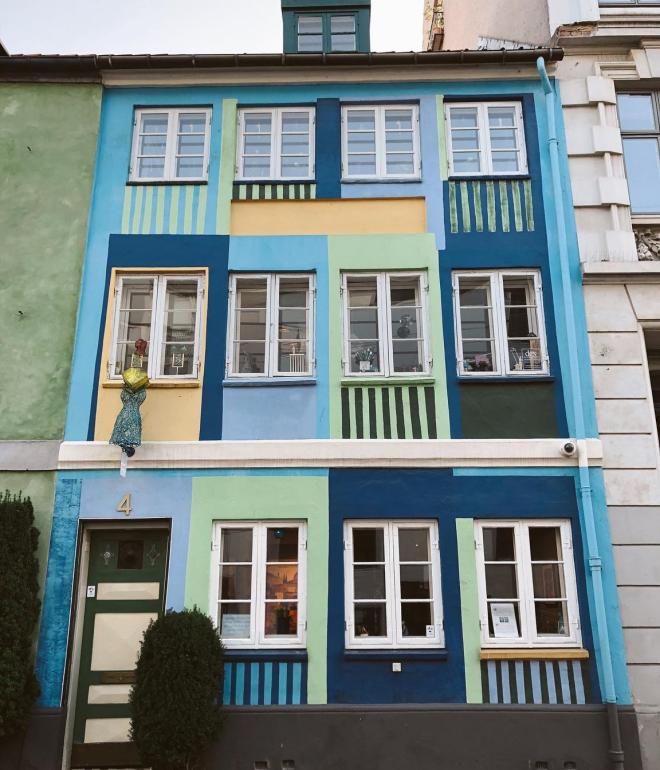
365 358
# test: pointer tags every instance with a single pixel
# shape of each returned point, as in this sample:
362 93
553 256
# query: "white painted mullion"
458 323
417 133
345 307
540 321
198 327
230 367
520 137
488 151
381 153
311 325
273 332
170 146
276 144
349 588
258 635
214 588
153 366
426 326
499 331
391 612
385 330
118 296
481 580
302 584
397 610
570 581
436 583
528 629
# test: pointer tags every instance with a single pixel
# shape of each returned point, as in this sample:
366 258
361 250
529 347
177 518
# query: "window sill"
161 384
246 653
267 382
487 177
645 219
163 182
505 379
309 180
396 655
380 380
539 653
382 180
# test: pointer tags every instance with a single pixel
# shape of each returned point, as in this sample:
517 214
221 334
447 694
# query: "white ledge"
615 272
492 453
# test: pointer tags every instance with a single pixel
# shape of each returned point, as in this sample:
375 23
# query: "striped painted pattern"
264 683
492 206
381 411
164 209
534 681
274 192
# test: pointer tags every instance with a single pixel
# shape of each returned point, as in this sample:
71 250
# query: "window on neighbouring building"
330 32
385 328
271 325
258 583
276 143
639 118
486 139
170 145
499 323
527 588
392 578
165 312
627 2
380 142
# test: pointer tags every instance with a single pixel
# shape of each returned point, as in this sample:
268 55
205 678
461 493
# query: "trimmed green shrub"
19 612
175 698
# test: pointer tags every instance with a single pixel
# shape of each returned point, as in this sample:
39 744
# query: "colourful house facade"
369 446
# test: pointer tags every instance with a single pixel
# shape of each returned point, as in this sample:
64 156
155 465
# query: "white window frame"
385 348
275 145
484 140
157 333
394 638
501 364
528 635
272 308
169 172
258 638
381 156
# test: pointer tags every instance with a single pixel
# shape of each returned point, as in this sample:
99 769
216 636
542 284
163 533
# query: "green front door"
125 590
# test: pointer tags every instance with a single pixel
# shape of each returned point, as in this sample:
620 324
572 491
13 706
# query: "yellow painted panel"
332 217
168 414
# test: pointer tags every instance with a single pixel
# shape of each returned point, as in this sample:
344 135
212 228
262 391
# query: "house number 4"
125 505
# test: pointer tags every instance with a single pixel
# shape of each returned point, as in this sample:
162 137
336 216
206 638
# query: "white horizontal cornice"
492 453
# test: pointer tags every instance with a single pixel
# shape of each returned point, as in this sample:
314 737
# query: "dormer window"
329 32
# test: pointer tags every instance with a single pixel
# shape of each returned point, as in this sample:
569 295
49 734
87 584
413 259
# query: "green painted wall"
378 253
253 497
40 488
467 571
487 409
48 138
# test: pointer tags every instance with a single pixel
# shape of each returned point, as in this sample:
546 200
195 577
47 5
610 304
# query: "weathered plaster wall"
468 20
48 147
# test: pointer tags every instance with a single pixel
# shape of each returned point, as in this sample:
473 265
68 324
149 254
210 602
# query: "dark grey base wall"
380 738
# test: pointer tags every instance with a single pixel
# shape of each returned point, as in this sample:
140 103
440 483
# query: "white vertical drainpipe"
595 561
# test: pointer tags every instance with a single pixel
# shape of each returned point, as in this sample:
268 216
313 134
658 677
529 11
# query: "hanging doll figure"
127 432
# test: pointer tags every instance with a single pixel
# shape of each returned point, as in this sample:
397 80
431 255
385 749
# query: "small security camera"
568 449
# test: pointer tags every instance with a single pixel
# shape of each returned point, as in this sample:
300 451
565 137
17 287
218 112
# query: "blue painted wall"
444 497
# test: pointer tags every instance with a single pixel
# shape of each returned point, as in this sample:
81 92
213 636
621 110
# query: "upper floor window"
392 574
327 32
276 143
271 324
486 139
639 118
170 145
165 312
257 583
527 588
381 142
385 327
499 323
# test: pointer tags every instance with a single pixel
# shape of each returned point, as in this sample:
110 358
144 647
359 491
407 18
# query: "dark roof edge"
3 50
89 67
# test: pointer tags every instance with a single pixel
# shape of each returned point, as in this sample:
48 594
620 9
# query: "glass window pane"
642 158
368 545
399 141
152 144
342 24
362 165
370 620
292 357
552 619
151 168
465 140
295 122
507 629
463 117
281 619
369 582
505 162
282 544
154 123
501 117
501 581
310 43
342 43
476 323
415 616
192 123
365 358
256 167
548 581
474 292
545 543
258 122
189 167
190 144
636 112
250 357
310 25
478 356
415 581
235 581
363 142
235 620
282 581
257 144
413 544
466 162
295 167
401 120
361 120
408 355
499 544
503 139
236 545
362 292
400 164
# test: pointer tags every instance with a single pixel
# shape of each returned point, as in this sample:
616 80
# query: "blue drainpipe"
595 562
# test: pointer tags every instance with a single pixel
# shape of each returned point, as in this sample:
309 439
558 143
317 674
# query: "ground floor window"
257 589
